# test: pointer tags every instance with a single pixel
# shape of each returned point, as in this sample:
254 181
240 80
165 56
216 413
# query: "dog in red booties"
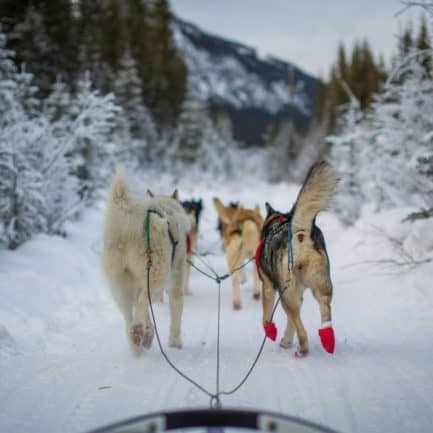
292 256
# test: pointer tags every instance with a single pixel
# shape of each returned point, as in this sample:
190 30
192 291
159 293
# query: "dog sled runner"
214 421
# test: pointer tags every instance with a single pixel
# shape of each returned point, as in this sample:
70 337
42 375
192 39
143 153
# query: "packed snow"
66 366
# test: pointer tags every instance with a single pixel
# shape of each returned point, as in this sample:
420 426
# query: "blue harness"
291 260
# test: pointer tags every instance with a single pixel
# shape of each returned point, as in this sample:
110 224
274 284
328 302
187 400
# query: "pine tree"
422 43
167 88
89 40
345 155
342 71
21 201
189 130
138 120
91 145
406 42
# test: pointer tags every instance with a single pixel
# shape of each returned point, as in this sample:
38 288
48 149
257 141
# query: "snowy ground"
65 365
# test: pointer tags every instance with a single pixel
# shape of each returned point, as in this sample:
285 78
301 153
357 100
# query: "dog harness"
173 241
284 221
188 244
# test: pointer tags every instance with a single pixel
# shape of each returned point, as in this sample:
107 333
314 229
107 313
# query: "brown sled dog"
241 236
292 256
193 209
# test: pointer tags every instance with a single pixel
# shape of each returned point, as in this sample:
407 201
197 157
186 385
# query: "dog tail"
315 194
118 196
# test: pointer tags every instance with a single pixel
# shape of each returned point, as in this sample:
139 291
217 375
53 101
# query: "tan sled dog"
125 259
292 256
241 236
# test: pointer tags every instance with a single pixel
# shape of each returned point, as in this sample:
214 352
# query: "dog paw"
285 344
137 334
270 330
327 338
148 338
237 305
175 341
299 354
136 350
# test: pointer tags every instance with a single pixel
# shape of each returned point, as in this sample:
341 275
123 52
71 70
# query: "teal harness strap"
290 261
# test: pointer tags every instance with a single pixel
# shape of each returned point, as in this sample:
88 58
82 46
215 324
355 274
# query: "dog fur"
311 262
193 209
125 259
241 229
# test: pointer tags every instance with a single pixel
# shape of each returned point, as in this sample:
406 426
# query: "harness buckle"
149 258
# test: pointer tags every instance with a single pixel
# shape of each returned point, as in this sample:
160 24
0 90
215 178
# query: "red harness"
188 244
257 257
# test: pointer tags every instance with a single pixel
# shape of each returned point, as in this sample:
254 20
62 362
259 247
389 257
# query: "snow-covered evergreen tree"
190 127
384 156
346 154
217 146
40 151
401 117
135 115
90 145
21 202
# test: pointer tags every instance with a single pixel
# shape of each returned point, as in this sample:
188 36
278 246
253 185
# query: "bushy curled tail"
118 197
315 194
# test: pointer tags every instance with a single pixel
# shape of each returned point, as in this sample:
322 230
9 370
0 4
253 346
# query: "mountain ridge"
254 91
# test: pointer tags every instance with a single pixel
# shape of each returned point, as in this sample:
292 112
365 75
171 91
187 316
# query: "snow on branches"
385 154
41 151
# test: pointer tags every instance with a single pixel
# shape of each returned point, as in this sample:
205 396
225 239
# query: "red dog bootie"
270 330
327 337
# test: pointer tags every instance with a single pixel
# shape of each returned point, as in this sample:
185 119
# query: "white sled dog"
125 260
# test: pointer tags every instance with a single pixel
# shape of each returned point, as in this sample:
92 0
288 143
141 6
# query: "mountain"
254 92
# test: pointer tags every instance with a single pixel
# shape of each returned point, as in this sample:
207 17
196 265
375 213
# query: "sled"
214 421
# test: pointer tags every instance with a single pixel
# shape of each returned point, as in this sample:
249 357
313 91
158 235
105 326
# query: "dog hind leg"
242 276
256 288
289 333
142 326
187 289
176 309
324 297
268 300
291 301
122 295
234 259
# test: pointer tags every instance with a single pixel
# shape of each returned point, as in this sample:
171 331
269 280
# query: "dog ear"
150 193
175 195
221 211
269 208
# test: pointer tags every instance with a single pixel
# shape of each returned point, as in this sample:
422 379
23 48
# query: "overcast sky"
305 32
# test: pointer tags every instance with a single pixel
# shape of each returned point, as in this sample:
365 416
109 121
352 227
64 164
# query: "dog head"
225 214
193 208
174 195
232 217
273 219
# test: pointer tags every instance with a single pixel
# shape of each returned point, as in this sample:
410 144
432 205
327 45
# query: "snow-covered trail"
65 364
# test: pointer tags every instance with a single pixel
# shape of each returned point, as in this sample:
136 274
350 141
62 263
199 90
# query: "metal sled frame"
266 422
